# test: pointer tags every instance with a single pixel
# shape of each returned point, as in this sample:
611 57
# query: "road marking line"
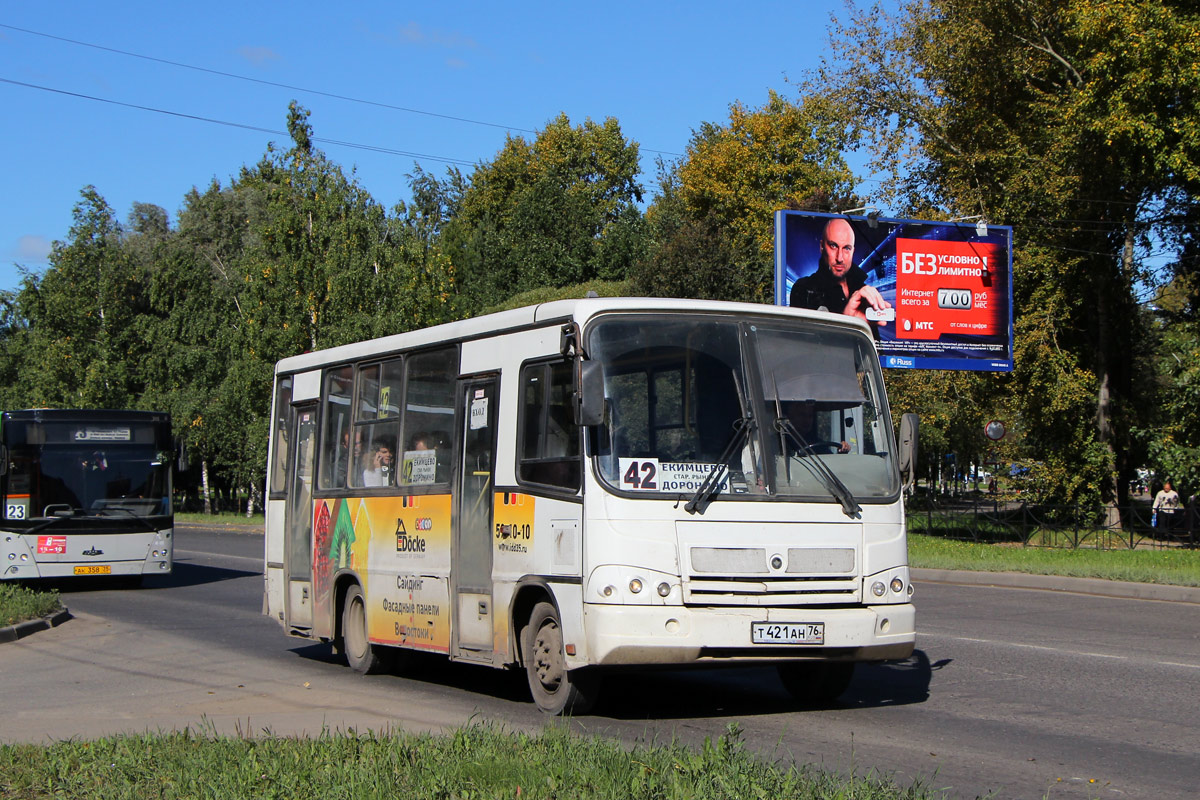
252 559
1057 650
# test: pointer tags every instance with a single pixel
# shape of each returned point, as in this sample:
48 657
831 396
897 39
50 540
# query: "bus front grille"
748 576
708 590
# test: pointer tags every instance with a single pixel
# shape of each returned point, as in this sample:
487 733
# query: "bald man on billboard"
838 285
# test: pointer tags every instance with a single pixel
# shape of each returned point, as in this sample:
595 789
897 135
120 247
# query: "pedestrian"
1166 503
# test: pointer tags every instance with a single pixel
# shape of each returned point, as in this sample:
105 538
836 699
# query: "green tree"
1064 119
83 344
711 227
303 258
559 210
1172 435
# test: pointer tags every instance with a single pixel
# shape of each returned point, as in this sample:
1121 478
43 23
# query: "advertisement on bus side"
401 547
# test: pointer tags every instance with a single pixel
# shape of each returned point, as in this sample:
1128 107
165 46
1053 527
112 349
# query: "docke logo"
406 543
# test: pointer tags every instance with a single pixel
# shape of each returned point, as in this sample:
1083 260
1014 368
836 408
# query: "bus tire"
362 656
555 689
816 683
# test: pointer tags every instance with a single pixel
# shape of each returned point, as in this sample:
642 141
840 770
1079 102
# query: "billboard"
937 295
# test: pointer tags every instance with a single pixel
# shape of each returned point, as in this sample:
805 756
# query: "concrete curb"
1056 583
11 633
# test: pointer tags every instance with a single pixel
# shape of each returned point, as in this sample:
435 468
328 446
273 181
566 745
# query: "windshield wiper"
816 465
712 482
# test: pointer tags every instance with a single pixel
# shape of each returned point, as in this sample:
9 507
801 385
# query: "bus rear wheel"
555 689
362 656
816 683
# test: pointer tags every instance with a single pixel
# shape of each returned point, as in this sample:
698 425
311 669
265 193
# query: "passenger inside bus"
379 464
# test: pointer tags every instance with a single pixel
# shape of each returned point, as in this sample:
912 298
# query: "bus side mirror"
589 393
182 464
3 459
909 425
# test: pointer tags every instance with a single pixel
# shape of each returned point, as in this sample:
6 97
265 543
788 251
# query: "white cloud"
258 55
413 33
33 249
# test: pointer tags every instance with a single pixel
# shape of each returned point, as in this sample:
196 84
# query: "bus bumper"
643 635
146 553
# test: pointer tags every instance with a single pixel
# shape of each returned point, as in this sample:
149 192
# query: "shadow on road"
183 574
753 691
671 694
895 683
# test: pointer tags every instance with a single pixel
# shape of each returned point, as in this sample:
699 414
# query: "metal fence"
978 517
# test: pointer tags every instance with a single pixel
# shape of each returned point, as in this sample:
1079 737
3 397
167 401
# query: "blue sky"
660 69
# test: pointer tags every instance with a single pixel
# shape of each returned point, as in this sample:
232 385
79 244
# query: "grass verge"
475 762
220 518
1174 566
19 603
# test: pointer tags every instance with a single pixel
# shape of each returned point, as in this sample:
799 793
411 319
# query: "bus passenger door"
298 547
471 557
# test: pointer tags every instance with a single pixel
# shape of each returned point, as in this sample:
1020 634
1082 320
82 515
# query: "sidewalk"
1056 583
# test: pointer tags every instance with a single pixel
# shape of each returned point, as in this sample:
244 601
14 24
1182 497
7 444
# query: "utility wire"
290 87
265 82
273 132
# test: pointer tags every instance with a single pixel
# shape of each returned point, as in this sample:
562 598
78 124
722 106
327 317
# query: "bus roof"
535 316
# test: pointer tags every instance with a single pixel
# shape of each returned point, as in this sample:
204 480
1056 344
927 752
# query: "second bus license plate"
94 569
787 632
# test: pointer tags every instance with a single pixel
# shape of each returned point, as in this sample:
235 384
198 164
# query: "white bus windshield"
773 409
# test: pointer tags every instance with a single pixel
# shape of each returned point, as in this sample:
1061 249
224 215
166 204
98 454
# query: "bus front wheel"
555 689
361 655
816 683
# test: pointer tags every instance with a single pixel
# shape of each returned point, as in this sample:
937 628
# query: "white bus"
85 493
596 484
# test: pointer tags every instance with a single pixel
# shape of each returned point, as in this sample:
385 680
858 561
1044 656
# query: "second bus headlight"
627 585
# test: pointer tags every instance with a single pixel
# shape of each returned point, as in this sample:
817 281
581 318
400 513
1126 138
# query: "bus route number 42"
640 475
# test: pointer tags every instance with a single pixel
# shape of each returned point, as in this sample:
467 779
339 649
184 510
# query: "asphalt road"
1017 692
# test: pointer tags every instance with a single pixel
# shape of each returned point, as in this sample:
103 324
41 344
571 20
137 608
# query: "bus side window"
335 440
283 405
429 417
375 440
549 453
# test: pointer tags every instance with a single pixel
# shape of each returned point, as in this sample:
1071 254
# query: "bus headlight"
888 586
630 585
